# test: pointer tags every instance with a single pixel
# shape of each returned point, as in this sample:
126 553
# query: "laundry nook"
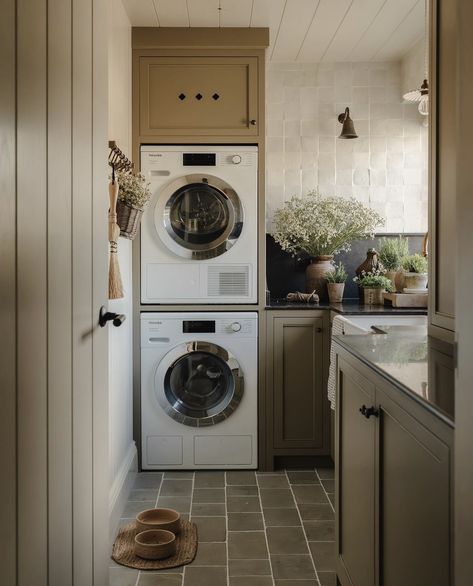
236 287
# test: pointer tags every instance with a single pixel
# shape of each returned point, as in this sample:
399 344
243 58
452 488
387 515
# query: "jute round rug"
186 542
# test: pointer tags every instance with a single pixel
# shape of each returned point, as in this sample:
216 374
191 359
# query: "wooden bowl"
155 544
167 519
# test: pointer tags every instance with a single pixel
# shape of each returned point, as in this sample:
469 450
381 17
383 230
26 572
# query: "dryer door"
199 384
199 216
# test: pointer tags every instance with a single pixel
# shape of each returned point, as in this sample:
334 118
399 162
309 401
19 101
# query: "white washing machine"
199 234
199 390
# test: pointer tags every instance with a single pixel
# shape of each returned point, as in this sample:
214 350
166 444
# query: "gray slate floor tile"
286 541
243 504
179 503
249 568
242 490
155 579
144 494
276 481
247 545
316 512
120 576
324 555
208 509
210 554
326 472
303 477
320 530
210 480
240 477
179 474
309 494
132 508
148 480
180 487
245 522
296 583
327 578
211 528
281 517
195 576
329 484
251 581
209 495
276 498
295 567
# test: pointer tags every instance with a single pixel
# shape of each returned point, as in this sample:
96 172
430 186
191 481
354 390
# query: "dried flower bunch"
392 252
321 225
133 189
416 263
374 280
339 275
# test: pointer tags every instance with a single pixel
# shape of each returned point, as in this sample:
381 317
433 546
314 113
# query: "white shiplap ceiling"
301 30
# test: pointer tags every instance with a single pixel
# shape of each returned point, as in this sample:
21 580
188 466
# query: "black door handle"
105 316
369 411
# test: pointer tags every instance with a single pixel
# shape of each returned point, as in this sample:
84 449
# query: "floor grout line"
226 527
323 488
265 529
303 530
190 519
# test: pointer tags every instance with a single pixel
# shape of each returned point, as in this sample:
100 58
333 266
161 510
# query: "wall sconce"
348 128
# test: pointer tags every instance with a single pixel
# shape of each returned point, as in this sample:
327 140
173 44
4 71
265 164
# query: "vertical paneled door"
53 243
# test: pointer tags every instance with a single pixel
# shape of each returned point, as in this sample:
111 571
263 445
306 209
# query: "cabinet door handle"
318 330
369 411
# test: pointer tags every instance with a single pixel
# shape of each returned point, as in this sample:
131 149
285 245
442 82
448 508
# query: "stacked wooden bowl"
157 530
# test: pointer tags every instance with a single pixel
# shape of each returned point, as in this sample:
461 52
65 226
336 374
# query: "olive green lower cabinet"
393 484
298 411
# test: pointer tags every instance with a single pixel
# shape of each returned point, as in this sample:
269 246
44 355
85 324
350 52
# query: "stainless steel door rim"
202 216
199 384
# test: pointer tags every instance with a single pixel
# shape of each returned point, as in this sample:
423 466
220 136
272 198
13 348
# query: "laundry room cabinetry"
393 484
198 96
298 417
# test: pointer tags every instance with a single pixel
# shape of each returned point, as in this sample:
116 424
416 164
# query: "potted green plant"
415 272
391 254
133 195
374 285
336 283
322 227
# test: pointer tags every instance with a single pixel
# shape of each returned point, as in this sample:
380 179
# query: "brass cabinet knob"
253 122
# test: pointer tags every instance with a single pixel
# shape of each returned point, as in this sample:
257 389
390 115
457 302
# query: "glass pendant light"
421 94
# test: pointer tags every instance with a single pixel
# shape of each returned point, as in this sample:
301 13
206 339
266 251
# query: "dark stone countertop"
348 307
417 365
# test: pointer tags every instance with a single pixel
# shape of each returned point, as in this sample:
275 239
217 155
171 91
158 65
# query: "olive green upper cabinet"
442 224
188 96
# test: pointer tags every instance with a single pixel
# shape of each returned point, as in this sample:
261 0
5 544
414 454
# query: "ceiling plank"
268 13
328 18
172 12
383 26
411 30
357 20
296 19
141 13
235 13
203 13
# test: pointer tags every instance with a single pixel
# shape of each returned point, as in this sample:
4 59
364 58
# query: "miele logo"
154 155
155 323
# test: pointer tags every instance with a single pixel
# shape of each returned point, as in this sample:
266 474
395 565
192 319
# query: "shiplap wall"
54 417
385 168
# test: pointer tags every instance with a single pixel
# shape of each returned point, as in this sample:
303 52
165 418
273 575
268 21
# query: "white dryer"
199 234
199 390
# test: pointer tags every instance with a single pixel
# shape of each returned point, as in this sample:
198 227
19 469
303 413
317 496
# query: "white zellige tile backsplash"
386 167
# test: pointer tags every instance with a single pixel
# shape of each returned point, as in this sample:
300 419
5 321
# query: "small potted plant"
415 272
336 283
392 251
321 227
374 285
133 195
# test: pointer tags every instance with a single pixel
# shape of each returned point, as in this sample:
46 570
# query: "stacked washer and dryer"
199 245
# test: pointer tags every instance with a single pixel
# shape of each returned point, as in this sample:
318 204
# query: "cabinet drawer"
198 95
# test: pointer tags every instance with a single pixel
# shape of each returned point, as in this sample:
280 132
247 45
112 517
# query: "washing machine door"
199 216
199 384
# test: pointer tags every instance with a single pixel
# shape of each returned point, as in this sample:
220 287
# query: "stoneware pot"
415 280
399 281
373 296
155 544
335 292
315 275
392 275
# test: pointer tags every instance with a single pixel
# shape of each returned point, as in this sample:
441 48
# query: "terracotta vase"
335 292
315 275
373 296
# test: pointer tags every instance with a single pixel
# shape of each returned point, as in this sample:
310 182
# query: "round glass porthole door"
200 216
202 384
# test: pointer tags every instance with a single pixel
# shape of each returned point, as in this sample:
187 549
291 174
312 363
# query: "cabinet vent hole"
215 97
199 97
182 97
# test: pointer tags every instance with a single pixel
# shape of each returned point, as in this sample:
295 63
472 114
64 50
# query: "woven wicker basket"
128 218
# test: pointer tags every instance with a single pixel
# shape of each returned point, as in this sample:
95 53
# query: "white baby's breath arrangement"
323 226
133 189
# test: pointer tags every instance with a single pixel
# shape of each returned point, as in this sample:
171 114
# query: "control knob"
236 159
236 326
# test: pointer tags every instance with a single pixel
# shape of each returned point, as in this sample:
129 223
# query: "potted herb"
133 195
415 272
374 285
391 254
322 227
336 283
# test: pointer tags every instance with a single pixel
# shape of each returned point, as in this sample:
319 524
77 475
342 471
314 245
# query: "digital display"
198 327
199 159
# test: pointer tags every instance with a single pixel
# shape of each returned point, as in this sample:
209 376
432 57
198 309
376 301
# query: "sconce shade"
348 128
